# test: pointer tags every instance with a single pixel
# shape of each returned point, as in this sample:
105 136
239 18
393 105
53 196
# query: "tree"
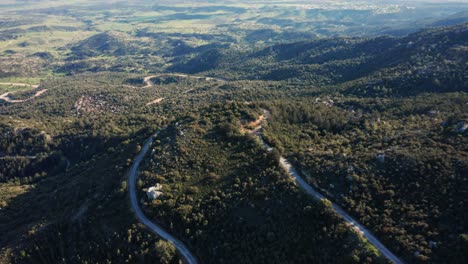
165 250
123 186
137 149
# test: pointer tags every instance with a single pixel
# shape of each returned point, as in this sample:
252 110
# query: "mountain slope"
432 60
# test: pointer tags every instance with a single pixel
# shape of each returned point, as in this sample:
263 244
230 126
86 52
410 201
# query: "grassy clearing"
184 26
10 88
9 192
26 80
33 42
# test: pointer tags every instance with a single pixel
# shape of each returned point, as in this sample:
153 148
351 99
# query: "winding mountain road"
293 173
6 96
148 83
133 175
132 178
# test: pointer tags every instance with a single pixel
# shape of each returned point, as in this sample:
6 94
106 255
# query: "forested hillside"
232 203
433 60
368 107
399 165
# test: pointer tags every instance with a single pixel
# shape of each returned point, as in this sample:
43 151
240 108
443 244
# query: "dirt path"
148 83
156 101
6 96
293 173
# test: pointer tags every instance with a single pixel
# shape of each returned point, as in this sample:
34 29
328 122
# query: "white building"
154 192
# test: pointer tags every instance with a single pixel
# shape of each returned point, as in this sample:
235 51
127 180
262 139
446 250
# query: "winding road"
133 175
132 178
293 173
6 96
148 83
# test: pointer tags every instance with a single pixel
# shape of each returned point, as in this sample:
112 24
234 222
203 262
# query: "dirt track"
6 96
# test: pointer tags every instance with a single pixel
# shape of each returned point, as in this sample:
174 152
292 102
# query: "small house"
154 192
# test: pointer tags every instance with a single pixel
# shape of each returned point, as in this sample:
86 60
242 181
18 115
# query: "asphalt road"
318 196
132 178
346 217
189 258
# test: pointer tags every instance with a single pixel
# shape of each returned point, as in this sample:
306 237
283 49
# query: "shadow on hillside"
72 213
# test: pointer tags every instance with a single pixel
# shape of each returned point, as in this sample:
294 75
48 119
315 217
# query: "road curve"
6 96
132 178
148 83
293 173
